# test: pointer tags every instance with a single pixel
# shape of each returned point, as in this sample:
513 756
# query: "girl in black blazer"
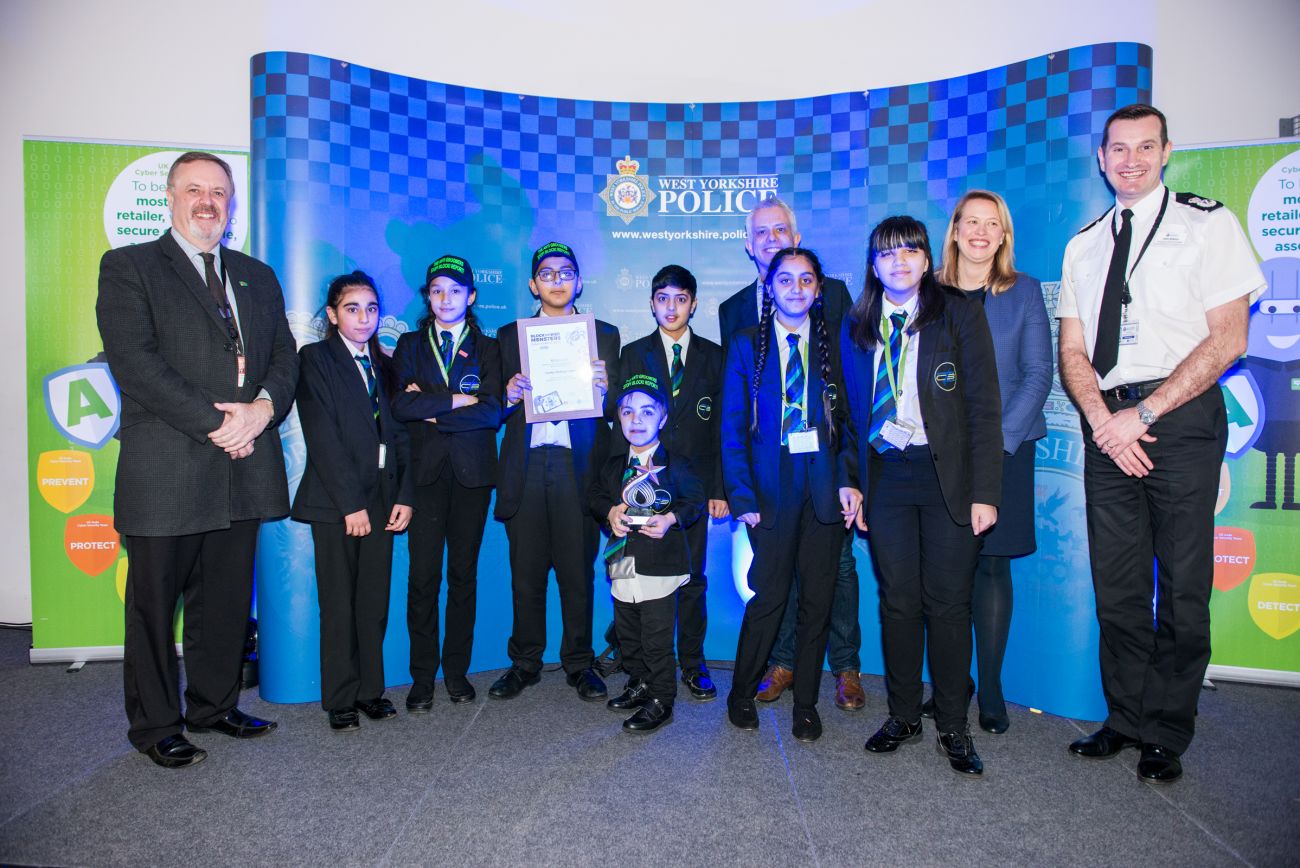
926 450
356 492
780 443
450 373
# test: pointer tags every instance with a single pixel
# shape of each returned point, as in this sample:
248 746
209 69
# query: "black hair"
430 322
338 286
893 233
818 316
673 275
1136 112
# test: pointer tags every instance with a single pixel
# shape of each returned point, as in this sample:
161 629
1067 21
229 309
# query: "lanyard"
437 353
228 315
1164 204
895 384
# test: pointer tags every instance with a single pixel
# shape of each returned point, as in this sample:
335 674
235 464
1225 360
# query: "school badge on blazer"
704 408
945 376
469 384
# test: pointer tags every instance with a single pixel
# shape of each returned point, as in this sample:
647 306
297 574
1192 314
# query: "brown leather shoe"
848 691
774 683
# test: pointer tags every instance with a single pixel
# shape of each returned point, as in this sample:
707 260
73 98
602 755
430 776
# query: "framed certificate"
555 353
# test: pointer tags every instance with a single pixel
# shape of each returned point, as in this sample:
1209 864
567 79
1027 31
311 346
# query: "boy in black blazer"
647 505
543 474
690 368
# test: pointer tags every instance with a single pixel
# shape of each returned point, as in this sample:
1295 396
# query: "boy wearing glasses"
543 474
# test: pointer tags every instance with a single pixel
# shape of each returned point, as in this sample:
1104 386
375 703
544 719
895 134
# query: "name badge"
1172 235
1128 333
383 455
897 433
243 370
803 441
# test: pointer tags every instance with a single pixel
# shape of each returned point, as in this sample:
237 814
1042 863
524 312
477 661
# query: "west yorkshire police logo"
84 404
627 194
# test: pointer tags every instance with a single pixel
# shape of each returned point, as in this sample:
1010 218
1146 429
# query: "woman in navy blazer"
925 449
978 258
356 493
450 376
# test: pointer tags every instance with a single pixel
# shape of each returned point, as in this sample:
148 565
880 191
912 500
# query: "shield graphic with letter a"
84 404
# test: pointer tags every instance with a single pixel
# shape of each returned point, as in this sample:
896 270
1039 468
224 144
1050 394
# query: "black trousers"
692 605
1151 669
645 634
796 541
214 573
447 514
552 529
925 564
353 581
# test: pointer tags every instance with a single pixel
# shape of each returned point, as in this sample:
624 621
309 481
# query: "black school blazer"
467 437
342 440
957 378
670 556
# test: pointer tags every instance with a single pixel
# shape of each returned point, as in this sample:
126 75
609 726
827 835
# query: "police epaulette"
1199 202
1095 222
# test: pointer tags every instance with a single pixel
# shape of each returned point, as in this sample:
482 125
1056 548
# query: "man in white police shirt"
1154 305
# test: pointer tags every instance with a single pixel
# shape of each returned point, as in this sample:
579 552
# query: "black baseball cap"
454 267
645 383
554 248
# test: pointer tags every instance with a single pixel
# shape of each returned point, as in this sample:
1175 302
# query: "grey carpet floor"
546 779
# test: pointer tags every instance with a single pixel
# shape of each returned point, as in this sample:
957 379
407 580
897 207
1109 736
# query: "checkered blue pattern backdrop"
355 167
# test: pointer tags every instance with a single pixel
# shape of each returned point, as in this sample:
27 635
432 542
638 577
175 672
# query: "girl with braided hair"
781 424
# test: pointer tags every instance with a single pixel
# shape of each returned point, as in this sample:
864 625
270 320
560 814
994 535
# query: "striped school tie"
882 410
371 386
445 348
677 370
614 548
792 406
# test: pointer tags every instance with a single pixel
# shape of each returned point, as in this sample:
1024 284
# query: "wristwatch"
1146 415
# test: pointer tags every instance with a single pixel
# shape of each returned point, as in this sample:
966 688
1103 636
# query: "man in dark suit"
197 339
769 228
691 366
543 475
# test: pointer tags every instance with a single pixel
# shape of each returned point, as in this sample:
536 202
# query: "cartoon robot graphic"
1273 359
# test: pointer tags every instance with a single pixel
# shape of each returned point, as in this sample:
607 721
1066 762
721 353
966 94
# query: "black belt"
1132 391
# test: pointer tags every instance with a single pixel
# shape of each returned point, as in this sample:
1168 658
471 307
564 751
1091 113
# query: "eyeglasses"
550 275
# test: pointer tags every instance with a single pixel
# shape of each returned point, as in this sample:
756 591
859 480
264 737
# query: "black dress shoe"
743 714
1159 765
1102 744
959 747
419 700
237 724
700 684
346 719
175 752
634 695
807 725
652 714
588 684
893 733
459 690
512 683
376 709
994 725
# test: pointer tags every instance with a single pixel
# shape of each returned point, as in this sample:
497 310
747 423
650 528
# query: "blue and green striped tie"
792 406
677 369
883 408
371 387
614 548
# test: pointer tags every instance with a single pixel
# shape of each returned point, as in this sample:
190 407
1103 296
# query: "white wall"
170 72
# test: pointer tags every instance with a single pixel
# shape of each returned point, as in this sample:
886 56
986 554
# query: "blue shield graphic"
83 403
